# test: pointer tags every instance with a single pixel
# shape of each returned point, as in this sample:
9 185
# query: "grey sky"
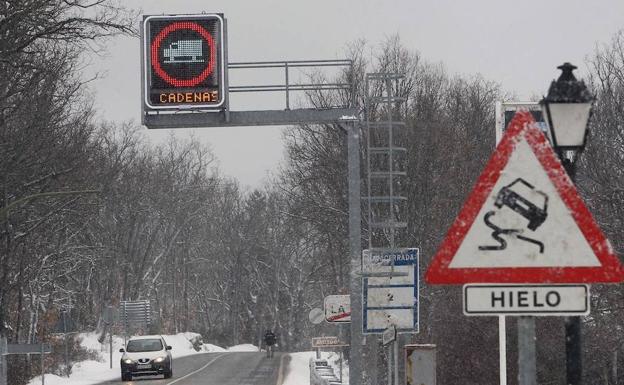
515 43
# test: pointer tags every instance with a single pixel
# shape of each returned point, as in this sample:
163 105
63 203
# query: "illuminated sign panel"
184 63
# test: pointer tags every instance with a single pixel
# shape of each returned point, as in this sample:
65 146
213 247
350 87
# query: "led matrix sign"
184 63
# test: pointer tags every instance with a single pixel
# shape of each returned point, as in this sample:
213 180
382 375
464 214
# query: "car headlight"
128 361
159 359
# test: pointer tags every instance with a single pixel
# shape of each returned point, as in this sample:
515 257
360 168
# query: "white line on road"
197 371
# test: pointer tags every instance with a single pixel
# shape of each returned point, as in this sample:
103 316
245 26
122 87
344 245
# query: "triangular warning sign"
524 222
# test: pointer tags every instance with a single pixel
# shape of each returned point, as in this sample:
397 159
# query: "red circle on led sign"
183 82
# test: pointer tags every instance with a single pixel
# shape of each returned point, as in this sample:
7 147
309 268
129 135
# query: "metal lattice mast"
385 158
384 201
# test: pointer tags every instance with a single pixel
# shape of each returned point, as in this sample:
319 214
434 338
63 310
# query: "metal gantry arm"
334 114
287 87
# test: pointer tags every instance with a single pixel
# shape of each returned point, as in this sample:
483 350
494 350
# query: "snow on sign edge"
523 125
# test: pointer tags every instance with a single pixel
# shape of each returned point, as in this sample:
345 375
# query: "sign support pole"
396 360
574 368
3 362
66 349
502 349
358 372
389 374
526 351
42 367
340 365
110 346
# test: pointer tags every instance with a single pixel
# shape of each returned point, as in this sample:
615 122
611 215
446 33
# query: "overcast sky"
516 43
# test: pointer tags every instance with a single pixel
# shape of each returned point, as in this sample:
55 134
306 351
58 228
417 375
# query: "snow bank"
299 367
210 348
243 348
93 372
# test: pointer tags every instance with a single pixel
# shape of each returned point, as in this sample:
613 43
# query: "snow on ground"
210 348
92 372
243 348
299 367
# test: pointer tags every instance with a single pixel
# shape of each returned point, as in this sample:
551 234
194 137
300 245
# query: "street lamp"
566 110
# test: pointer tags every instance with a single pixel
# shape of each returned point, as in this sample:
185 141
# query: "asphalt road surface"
221 369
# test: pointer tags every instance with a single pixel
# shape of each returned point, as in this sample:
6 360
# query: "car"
514 196
146 356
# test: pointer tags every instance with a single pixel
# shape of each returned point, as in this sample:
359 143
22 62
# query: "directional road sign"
338 308
389 335
327 342
136 312
526 300
391 291
28 349
524 222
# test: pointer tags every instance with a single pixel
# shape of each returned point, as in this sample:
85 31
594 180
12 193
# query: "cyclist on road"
269 341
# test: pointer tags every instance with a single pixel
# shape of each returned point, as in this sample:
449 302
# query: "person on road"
269 341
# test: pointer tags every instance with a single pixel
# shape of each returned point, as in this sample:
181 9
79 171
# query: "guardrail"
322 374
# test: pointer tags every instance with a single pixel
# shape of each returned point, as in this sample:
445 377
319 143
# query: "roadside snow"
92 372
210 348
243 348
299 367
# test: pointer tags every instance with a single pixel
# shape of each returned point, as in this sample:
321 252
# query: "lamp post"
566 109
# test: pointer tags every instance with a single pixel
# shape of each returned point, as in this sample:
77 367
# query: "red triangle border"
523 125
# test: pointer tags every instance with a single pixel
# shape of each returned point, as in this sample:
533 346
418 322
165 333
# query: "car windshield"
147 345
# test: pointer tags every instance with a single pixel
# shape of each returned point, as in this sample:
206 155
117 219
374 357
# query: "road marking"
197 371
280 373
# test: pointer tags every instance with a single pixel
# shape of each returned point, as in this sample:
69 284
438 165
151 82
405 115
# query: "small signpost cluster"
524 244
8 349
337 309
390 290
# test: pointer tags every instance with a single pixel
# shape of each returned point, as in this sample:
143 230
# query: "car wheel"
126 377
169 373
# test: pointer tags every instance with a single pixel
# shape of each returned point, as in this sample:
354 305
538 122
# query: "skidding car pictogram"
510 196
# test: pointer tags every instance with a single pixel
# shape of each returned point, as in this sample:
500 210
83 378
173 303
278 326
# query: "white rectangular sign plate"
526 300
28 349
392 299
327 342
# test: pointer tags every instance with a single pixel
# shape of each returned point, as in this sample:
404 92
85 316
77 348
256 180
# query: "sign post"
525 223
6 349
390 290
389 337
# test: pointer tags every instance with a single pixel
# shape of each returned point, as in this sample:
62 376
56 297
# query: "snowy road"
221 369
